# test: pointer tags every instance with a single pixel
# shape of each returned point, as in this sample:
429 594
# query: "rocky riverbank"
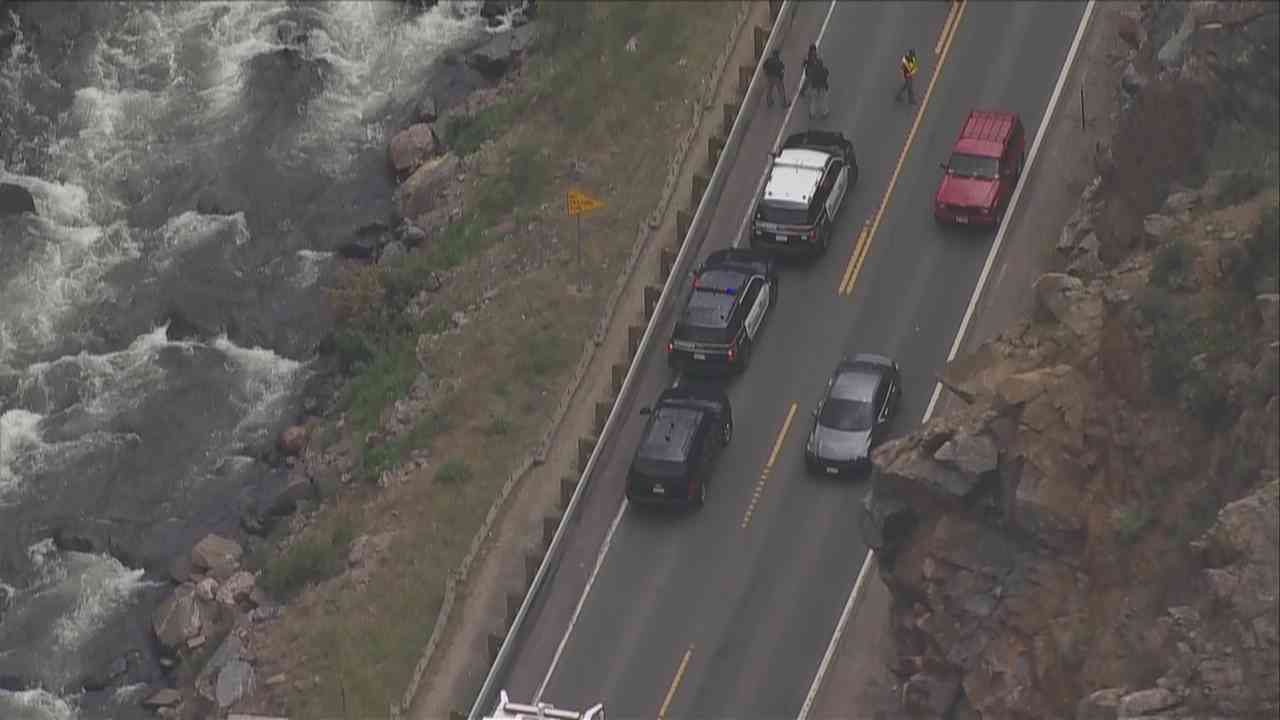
1094 533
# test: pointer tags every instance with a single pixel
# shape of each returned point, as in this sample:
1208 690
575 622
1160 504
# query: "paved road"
726 612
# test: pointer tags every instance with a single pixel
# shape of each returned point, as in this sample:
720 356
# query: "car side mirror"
646 410
943 166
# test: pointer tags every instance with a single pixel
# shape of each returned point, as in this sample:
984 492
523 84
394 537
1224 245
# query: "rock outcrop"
1091 527
15 200
217 555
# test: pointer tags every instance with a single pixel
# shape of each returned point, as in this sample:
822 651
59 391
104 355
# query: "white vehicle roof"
508 710
795 176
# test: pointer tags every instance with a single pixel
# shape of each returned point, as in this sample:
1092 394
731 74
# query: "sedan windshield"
847 415
974 166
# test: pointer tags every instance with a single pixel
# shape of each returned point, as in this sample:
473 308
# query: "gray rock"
1146 702
410 148
1131 80
1101 704
1174 49
235 681
214 552
293 440
236 589
427 110
421 192
163 698
393 253
1068 300
15 200
206 589
178 618
974 454
1038 510
458 319
411 235
1159 227
299 489
929 694
108 675
496 57
1180 202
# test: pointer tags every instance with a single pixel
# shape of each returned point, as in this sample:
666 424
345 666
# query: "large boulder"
1071 302
411 147
237 589
235 681
421 192
162 698
496 57
178 619
293 440
216 553
15 200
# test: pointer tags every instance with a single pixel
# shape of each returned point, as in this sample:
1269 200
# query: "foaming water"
35 705
194 165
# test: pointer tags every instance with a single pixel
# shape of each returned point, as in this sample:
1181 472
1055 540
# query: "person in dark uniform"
816 78
773 70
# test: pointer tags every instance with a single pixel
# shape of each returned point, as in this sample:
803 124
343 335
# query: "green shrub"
406 278
1129 522
1203 396
454 471
1172 342
314 558
543 354
498 425
351 349
1170 263
1239 186
386 378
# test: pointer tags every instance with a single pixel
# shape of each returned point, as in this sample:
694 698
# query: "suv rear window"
974 166
708 309
782 215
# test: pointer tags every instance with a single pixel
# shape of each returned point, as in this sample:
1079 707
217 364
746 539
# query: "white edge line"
608 540
1013 202
816 687
773 149
739 128
831 647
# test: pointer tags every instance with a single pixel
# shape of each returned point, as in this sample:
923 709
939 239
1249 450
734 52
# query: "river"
194 165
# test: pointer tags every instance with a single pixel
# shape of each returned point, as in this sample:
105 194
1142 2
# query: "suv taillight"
671 346
813 235
733 352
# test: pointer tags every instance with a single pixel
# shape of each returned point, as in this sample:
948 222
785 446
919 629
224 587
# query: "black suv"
808 182
732 293
688 428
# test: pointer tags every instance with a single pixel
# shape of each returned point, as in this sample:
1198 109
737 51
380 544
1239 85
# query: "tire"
726 433
747 347
701 498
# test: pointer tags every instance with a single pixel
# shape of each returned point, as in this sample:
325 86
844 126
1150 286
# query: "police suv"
732 292
807 185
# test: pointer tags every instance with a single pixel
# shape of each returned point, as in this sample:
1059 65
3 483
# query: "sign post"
576 204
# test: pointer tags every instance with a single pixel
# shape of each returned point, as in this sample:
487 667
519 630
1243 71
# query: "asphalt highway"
726 612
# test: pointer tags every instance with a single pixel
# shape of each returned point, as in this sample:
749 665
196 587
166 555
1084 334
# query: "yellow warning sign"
579 203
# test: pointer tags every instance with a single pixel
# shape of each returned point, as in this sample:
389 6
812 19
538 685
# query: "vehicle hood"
840 445
967 192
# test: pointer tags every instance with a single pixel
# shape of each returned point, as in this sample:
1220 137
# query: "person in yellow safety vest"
909 67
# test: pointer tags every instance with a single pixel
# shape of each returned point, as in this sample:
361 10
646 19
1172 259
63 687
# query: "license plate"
699 356
659 490
833 471
781 239
962 218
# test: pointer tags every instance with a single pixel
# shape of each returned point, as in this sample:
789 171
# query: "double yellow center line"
863 242
768 466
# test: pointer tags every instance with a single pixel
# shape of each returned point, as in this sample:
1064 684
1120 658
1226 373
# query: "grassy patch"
317 555
1170 263
1129 523
581 93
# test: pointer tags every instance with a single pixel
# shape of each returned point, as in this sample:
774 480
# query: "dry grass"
510 363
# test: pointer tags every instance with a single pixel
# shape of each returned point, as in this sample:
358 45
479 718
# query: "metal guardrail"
689 248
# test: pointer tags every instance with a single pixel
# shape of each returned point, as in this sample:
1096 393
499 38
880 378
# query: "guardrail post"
730 112
495 644
567 486
549 525
602 414
652 293
775 7
715 144
744 78
513 606
762 39
585 446
699 186
531 565
683 220
666 261
635 334
619 376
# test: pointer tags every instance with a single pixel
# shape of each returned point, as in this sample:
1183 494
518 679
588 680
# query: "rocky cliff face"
1096 532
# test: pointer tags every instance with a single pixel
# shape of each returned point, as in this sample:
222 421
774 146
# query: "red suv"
984 167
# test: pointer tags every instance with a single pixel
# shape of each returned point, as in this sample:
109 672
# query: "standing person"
773 69
816 76
909 67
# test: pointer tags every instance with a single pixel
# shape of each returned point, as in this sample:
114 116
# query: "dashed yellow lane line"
675 683
863 246
758 490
